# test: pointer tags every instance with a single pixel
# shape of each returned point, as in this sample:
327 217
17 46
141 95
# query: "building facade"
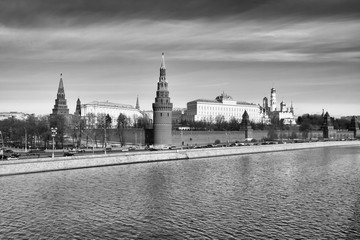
284 114
162 108
16 115
60 107
223 105
90 111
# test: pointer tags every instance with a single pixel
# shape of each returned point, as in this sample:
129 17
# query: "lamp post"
53 134
25 140
2 146
91 140
105 139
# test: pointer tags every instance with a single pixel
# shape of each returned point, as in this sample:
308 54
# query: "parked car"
69 153
11 153
132 148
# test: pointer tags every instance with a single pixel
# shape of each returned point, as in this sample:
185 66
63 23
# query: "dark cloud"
78 12
40 12
313 9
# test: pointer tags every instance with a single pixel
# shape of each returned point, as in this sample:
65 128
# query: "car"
132 148
108 149
12 158
69 153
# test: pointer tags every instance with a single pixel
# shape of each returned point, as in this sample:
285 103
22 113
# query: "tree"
234 124
142 121
108 121
90 120
220 122
272 135
122 122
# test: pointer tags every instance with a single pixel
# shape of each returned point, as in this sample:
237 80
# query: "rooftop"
109 104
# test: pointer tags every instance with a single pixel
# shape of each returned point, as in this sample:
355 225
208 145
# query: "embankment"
76 162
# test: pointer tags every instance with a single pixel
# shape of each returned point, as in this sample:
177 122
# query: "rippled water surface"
306 194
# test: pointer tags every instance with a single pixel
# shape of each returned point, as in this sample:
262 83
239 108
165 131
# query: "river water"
303 194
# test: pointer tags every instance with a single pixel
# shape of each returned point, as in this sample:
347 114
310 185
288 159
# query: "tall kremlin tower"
162 108
273 100
60 107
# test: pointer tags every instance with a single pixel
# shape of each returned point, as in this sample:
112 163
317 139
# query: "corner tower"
60 107
78 108
162 108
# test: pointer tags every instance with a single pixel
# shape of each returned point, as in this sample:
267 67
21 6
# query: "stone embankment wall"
76 162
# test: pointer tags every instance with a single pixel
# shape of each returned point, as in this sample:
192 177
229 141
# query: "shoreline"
38 165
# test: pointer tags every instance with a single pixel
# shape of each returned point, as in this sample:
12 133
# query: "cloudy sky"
111 50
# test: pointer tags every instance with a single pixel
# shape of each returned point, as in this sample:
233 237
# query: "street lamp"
53 134
25 140
2 146
91 140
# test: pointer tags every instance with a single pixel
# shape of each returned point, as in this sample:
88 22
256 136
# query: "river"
302 194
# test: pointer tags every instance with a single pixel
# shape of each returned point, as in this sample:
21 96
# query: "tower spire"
61 90
137 103
163 61
162 77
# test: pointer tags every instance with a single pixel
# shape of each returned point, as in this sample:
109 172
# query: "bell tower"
273 100
162 108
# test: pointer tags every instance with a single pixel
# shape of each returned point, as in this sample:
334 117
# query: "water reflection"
307 194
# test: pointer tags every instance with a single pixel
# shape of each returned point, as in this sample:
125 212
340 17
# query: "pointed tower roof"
245 115
137 103
163 61
78 107
60 107
61 85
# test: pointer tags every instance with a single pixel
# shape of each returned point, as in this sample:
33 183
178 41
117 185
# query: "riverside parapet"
15 167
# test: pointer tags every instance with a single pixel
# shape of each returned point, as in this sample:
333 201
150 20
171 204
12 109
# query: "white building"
285 114
223 105
16 115
113 109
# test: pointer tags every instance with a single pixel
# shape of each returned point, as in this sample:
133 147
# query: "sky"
110 50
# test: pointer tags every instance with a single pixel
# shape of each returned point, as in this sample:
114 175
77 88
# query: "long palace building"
223 105
113 109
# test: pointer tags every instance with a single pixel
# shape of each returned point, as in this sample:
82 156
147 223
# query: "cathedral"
271 111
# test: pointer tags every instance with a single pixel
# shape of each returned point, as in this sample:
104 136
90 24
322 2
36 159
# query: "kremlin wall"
137 136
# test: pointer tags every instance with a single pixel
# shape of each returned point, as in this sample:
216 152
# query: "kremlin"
203 122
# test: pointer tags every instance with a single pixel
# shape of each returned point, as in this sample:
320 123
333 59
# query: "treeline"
35 131
305 123
233 124
309 122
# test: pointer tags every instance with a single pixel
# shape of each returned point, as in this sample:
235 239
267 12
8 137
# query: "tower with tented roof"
162 110
60 107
